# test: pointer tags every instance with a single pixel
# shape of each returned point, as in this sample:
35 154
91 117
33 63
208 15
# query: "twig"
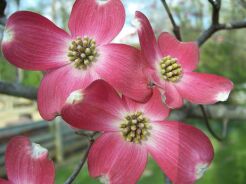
216 25
82 133
18 90
77 170
89 136
176 29
216 4
206 121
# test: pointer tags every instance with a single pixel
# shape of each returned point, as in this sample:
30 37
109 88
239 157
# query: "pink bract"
195 87
182 151
33 42
27 162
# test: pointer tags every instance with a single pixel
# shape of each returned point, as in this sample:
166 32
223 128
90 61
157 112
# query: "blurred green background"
223 54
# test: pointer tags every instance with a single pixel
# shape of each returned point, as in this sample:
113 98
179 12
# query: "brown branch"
18 90
3 5
176 28
216 25
207 123
216 4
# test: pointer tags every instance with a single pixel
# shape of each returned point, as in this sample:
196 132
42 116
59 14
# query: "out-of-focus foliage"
227 57
7 71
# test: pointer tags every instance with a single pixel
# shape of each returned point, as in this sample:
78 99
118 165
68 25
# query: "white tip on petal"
38 151
222 96
101 2
200 170
104 179
75 97
7 35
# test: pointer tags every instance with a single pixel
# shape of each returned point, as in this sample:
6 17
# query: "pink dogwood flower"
73 60
131 131
170 64
27 162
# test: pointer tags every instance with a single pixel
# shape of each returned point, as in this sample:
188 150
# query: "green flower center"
82 52
170 69
135 128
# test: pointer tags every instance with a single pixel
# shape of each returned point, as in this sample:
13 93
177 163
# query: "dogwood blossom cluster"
121 91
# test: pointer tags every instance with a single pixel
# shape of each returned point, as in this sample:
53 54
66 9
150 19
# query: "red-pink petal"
33 42
149 46
57 85
154 109
120 65
187 53
102 20
173 99
100 109
28 162
115 160
200 88
182 151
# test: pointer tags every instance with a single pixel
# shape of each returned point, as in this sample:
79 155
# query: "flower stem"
206 121
77 170
176 29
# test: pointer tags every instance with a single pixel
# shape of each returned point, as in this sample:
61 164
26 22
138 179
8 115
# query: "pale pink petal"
2 181
57 85
28 162
99 19
154 109
33 42
182 151
120 65
100 109
173 98
116 161
187 53
149 46
202 88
